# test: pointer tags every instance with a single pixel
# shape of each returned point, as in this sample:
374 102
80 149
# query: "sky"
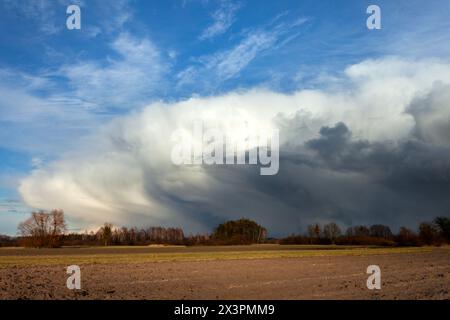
86 115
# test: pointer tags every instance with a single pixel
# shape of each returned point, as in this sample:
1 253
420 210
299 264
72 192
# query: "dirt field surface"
250 272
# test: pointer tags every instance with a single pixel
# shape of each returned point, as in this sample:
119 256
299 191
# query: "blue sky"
57 85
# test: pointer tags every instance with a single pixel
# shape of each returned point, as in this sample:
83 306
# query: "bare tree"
443 226
43 229
407 237
380 231
313 232
358 231
331 231
428 233
105 233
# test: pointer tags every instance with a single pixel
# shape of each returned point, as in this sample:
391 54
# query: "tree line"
436 232
49 229
109 235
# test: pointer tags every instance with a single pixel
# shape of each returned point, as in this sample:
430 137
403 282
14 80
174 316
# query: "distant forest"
49 229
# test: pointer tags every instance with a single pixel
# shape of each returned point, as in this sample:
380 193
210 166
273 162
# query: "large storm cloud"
372 147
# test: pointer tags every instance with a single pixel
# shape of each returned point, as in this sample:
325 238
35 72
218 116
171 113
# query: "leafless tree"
43 229
380 231
358 231
331 231
313 232
105 234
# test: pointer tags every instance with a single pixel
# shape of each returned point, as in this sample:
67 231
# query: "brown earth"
421 275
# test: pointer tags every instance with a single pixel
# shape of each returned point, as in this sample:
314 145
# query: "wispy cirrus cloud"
115 14
49 15
122 82
226 64
43 13
40 123
222 18
77 96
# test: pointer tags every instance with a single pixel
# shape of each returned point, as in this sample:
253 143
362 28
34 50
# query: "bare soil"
422 275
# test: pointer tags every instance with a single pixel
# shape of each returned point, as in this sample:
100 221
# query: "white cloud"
41 12
49 15
130 79
34 122
223 18
40 116
124 174
230 63
226 64
113 16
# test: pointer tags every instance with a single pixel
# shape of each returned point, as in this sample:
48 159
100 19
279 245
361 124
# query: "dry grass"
216 254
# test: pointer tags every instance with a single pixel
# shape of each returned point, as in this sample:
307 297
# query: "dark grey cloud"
351 181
